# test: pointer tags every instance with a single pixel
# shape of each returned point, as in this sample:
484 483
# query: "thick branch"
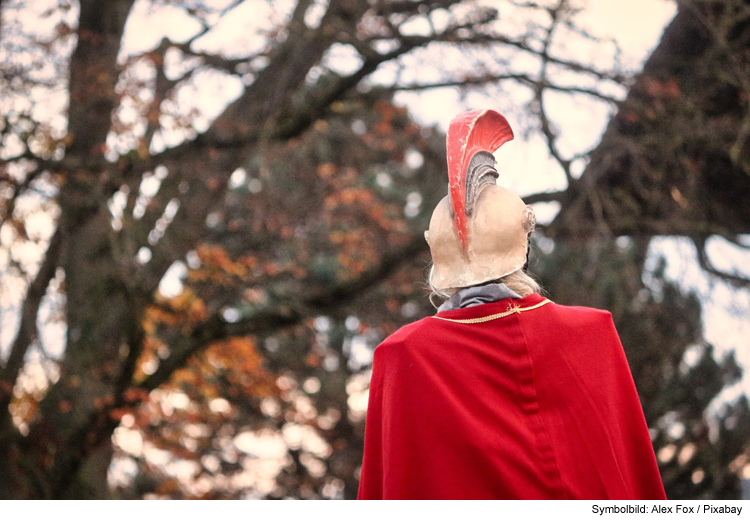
316 107
548 196
27 330
707 265
278 317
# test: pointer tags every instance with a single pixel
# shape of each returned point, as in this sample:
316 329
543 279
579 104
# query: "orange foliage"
326 170
144 361
218 267
24 407
184 308
238 360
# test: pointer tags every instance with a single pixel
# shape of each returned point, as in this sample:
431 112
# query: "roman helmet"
479 232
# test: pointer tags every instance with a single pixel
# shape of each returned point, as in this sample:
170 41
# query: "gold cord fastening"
514 309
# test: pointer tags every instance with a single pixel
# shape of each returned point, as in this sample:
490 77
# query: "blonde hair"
519 282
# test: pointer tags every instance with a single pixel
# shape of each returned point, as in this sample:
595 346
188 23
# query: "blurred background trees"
205 236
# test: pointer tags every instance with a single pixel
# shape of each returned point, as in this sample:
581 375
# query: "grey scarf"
476 295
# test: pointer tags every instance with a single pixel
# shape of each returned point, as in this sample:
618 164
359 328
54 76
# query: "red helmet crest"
472 138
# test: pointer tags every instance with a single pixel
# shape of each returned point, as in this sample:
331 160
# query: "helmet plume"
472 138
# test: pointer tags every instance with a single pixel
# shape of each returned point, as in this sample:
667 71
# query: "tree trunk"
67 450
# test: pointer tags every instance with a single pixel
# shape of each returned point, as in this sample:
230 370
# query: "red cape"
521 399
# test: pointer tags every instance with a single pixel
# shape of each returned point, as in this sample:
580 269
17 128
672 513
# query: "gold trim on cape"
514 309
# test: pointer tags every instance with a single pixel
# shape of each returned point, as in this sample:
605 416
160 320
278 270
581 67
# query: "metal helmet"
479 232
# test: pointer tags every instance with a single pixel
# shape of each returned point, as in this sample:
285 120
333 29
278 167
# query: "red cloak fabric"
521 399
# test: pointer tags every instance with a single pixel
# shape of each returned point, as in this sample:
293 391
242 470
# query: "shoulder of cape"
576 315
578 323
409 331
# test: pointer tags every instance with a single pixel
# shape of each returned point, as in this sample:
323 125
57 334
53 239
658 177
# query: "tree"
672 161
296 215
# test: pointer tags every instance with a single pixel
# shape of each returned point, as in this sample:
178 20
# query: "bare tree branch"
205 26
19 189
549 196
549 134
521 78
209 59
27 330
706 264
